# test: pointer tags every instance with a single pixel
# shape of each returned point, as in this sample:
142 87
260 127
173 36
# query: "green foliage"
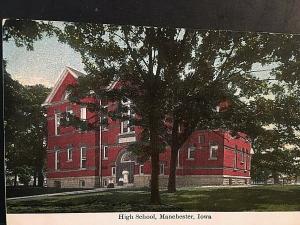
25 32
25 127
25 175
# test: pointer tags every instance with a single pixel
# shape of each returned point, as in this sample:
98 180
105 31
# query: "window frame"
83 158
70 150
105 152
141 171
235 161
69 110
190 149
213 147
130 114
201 136
113 171
57 117
57 159
162 172
83 113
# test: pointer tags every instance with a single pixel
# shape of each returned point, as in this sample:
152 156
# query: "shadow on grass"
263 198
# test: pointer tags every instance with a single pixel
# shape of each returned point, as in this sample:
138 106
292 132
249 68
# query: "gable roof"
60 79
75 73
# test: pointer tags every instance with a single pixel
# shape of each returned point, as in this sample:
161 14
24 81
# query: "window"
141 169
83 113
161 169
213 153
178 158
66 95
104 119
246 160
57 123
201 139
105 152
127 157
57 163
70 153
69 112
113 171
104 182
243 156
191 152
235 159
126 127
82 183
83 157
249 162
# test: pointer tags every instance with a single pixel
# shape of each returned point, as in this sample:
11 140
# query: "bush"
110 185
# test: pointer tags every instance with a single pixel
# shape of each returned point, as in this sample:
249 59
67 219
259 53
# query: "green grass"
258 198
21 191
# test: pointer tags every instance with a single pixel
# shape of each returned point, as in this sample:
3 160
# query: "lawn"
21 191
257 198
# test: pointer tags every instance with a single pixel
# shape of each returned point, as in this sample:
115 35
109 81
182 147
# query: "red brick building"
74 158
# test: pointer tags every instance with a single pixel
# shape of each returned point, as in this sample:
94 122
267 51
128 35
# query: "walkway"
66 193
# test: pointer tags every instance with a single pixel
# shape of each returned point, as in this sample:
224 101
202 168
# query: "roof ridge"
77 72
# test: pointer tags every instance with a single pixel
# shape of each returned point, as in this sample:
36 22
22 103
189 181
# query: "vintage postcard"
144 124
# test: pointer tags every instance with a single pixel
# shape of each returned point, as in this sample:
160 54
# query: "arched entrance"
125 167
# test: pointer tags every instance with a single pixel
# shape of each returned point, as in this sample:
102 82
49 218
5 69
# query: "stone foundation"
192 180
144 181
74 182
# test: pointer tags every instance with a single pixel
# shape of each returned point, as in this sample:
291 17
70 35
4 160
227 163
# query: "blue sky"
42 65
48 59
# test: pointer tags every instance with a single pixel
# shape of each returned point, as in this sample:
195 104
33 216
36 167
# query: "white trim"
105 152
56 159
112 85
113 168
189 152
58 83
125 154
213 147
83 158
69 149
162 165
199 138
69 110
56 123
140 169
83 113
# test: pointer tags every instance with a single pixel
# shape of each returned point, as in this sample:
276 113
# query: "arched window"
127 157
66 95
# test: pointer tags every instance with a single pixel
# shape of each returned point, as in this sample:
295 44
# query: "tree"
17 102
14 124
154 63
25 127
25 32
140 59
37 129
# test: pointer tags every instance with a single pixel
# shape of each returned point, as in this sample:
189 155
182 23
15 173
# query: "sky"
42 65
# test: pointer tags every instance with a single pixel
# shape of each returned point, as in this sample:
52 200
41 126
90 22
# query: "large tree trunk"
15 181
172 175
34 178
40 178
174 154
155 198
154 142
275 177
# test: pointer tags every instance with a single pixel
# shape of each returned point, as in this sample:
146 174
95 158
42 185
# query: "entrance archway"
125 167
